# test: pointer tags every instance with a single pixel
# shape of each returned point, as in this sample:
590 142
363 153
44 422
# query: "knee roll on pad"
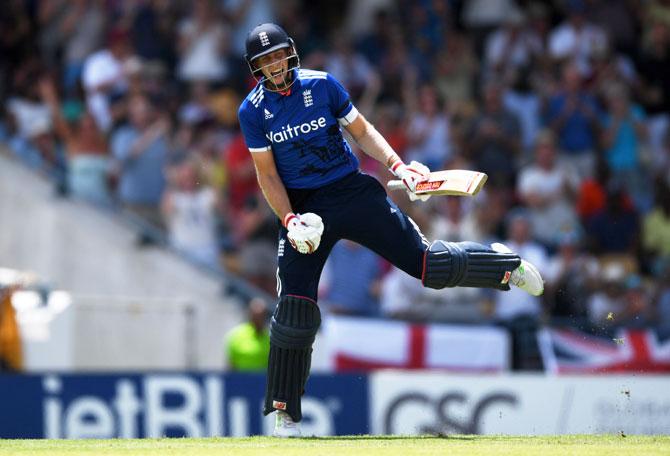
467 264
293 328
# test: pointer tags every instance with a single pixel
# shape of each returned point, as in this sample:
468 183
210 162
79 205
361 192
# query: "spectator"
511 48
570 276
153 31
623 302
608 304
525 103
140 150
351 280
374 43
592 193
247 345
483 16
623 133
455 72
573 114
83 27
454 221
576 38
255 235
512 305
242 183
403 297
656 226
30 116
189 210
202 45
615 228
85 147
495 138
428 136
548 189
105 73
521 314
616 18
245 15
353 70
653 65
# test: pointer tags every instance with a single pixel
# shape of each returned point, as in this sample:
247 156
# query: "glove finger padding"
312 220
305 240
420 168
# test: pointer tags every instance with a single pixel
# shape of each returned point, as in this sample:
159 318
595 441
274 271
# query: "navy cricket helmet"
265 39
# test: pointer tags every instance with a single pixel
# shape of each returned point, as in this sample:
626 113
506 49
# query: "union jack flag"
570 351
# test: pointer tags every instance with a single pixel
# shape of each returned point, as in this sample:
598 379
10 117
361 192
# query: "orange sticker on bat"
427 186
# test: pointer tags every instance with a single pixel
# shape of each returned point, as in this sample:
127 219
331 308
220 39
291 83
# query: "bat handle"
396 185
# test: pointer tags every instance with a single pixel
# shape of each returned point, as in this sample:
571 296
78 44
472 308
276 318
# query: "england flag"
365 344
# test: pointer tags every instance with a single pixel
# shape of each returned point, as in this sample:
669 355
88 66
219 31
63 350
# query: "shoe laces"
284 420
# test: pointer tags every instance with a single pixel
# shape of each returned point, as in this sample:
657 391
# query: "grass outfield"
364 445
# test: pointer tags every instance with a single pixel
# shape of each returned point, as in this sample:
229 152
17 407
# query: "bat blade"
455 182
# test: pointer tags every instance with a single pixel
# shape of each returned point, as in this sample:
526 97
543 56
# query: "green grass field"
363 445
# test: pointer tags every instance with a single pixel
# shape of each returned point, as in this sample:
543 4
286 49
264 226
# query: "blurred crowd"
565 104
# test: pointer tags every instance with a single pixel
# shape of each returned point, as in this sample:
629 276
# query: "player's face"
274 66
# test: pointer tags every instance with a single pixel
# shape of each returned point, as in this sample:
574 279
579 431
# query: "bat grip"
396 185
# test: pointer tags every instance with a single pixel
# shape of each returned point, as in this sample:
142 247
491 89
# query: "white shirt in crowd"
501 50
435 147
203 60
192 224
559 215
102 68
566 41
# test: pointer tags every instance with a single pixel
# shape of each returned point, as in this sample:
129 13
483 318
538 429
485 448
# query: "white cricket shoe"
526 276
285 426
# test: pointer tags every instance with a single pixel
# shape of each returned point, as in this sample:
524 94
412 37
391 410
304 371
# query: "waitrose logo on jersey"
288 132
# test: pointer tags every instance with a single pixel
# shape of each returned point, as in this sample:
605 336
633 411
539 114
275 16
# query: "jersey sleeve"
252 129
340 103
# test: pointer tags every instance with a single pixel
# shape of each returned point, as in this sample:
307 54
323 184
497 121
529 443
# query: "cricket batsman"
292 122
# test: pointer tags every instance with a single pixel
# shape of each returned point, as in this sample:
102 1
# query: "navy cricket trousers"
355 208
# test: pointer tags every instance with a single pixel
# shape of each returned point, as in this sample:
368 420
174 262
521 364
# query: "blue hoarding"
179 404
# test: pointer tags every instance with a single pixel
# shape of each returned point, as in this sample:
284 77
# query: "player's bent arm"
371 141
271 184
374 145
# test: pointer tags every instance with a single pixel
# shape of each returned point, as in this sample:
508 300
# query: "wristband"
287 218
395 166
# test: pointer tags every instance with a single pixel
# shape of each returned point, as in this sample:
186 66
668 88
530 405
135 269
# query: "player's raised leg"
393 235
470 264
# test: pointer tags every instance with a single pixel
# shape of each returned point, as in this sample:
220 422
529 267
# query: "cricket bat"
455 182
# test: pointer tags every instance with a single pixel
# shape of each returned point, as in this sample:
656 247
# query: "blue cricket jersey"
303 129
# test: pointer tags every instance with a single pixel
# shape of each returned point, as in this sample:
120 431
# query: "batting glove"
304 231
410 175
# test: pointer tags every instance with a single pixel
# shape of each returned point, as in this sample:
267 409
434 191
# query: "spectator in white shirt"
576 38
515 303
548 189
511 47
105 73
202 45
189 209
